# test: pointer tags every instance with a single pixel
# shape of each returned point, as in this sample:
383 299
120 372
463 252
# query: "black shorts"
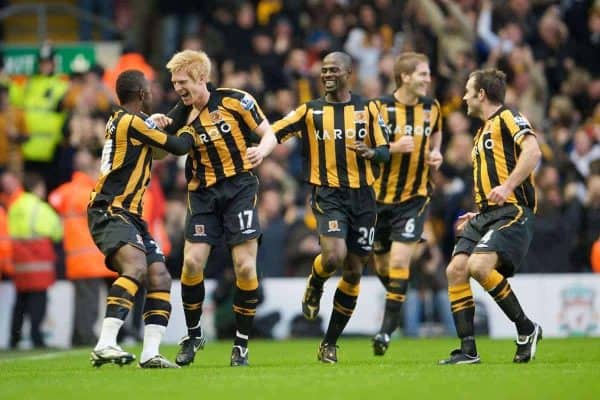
227 207
402 222
346 213
112 229
505 230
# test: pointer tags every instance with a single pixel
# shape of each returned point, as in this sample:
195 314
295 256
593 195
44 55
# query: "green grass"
564 369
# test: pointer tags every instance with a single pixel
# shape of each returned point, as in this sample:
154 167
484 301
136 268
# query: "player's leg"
344 303
157 310
463 310
130 262
362 214
397 283
333 251
245 298
242 232
332 225
192 296
202 231
482 267
404 228
496 257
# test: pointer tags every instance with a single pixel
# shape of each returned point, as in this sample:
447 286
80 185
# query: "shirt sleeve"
179 113
379 133
517 125
290 125
147 132
247 108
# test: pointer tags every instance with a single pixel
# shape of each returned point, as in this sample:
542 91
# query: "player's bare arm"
406 144
265 147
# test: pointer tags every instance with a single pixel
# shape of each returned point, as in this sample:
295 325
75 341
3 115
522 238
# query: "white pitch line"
45 356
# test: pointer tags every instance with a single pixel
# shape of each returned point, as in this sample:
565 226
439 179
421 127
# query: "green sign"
23 60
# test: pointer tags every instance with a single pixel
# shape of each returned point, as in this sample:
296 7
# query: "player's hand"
435 158
499 194
406 144
161 120
255 155
462 220
362 150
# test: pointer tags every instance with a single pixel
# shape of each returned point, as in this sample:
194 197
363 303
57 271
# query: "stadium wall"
564 304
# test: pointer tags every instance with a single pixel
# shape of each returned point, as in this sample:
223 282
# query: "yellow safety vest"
41 97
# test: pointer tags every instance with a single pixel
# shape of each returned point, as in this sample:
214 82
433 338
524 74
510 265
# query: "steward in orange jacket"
83 260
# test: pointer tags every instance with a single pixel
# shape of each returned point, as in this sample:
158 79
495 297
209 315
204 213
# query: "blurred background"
58 66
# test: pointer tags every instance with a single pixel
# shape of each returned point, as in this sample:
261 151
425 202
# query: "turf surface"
564 369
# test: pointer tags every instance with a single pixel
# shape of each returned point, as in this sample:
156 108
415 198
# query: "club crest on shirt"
360 117
215 117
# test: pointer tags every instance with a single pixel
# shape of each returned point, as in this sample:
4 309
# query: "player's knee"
332 261
399 260
246 270
159 279
478 268
352 277
138 272
457 270
131 262
193 262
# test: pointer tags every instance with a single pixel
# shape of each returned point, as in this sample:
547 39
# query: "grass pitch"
564 369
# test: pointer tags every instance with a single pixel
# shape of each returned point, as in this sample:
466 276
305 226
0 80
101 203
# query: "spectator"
270 259
42 99
13 132
590 231
584 152
365 43
556 222
34 227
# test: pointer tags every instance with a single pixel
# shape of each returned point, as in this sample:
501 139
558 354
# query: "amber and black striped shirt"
495 153
127 159
326 130
223 131
407 174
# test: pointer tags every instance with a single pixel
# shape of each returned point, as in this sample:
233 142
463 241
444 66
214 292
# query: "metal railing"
43 10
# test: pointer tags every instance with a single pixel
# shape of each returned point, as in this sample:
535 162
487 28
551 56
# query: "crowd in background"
550 51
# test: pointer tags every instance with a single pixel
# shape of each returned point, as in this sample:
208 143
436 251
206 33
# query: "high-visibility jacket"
33 227
41 98
83 260
125 62
6 267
